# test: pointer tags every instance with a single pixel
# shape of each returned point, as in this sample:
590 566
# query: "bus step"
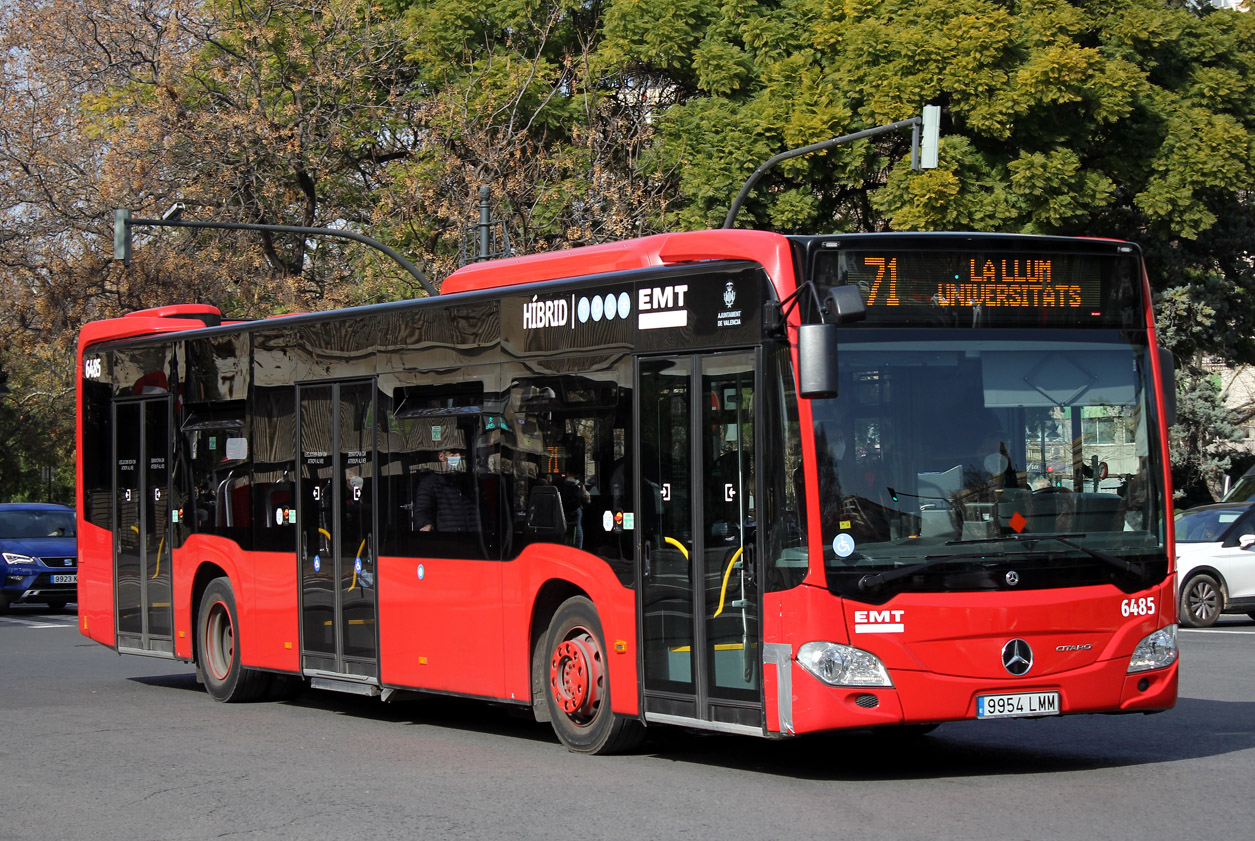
350 686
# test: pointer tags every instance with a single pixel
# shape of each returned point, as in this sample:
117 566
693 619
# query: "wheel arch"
206 572
548 599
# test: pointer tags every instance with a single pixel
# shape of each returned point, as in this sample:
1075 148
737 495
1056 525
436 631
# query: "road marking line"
31 623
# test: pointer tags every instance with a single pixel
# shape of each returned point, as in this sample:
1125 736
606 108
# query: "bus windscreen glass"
980 450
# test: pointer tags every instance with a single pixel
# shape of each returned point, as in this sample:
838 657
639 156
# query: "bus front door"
697 541
336 525
141 553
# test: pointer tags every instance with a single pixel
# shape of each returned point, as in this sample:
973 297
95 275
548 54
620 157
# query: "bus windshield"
977 451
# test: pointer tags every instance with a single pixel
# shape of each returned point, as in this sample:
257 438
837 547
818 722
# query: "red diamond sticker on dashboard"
1018 521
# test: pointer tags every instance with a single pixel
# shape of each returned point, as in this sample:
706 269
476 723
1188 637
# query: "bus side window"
785 515
439 481
273 456
219 474
568 455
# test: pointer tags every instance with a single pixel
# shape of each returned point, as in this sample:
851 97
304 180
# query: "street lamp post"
123 223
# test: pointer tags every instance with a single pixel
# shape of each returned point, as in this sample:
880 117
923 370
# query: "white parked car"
1215 562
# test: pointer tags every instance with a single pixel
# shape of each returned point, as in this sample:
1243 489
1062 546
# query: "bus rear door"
141 547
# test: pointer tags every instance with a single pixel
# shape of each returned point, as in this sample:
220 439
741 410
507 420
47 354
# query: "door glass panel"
337 464
156 587
730 526
318 527
666 523
356 541
127 530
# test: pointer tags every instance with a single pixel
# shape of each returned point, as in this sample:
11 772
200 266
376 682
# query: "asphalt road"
97 746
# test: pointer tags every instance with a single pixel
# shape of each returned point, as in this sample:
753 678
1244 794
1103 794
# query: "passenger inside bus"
444 500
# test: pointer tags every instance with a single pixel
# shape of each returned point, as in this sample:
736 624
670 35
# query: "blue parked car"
38 554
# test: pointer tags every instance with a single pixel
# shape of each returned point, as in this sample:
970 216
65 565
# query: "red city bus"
731 480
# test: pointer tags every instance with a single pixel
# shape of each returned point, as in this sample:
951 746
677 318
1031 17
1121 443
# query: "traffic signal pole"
124 223
923 150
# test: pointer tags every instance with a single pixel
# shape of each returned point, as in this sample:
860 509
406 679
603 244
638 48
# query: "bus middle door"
337 544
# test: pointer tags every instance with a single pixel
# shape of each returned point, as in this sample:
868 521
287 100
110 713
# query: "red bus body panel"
771 251
616 608
95 583
948 652
464 627
442 631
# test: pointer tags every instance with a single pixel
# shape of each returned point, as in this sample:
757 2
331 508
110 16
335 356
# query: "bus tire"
217 649
577 685
1202 602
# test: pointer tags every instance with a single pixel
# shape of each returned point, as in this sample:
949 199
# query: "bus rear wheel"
577 686
217 648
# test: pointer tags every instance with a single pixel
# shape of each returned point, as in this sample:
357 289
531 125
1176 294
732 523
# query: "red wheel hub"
575 675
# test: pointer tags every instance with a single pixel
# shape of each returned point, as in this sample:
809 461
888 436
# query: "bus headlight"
842 665
1157 651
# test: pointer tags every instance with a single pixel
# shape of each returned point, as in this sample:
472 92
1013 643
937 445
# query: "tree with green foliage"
1204 441
1133 119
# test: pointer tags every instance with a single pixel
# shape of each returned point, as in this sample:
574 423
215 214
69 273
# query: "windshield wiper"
875 579
1121 564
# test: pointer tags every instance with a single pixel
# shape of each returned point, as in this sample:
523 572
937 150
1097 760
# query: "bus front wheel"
217 648
577 685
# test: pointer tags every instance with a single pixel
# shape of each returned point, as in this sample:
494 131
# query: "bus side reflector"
422 661
288 646
620 646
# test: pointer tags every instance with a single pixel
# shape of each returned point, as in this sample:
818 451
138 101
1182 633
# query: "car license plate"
1017 705
65 579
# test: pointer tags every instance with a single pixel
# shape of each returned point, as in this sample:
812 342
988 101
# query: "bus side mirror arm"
817 343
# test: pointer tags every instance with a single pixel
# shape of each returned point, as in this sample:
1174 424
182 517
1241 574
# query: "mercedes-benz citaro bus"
728 480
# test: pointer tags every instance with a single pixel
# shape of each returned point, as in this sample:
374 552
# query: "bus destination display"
916 279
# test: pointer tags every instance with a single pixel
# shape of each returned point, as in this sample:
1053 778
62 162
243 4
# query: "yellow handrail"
723 591
677 544
359 554
160 546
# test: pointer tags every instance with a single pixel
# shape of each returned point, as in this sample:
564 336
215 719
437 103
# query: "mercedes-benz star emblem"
1017 657
1013 578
